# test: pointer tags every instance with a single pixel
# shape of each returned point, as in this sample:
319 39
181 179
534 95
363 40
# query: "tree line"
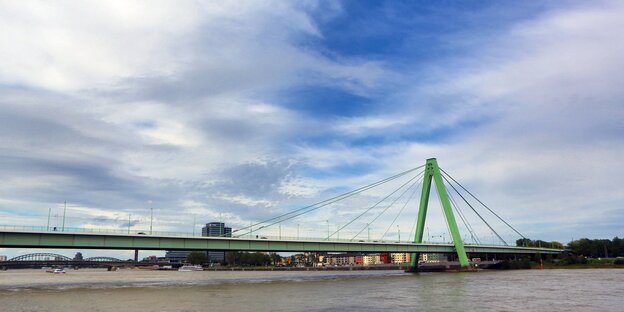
238 258
592 248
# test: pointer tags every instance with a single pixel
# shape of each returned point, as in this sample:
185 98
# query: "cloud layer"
240 111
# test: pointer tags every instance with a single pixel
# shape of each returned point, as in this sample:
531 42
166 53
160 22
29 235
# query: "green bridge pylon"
433 171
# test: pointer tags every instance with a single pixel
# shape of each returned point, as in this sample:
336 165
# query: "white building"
371 259
400 257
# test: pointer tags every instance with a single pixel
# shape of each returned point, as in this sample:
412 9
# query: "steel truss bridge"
243 238
40 256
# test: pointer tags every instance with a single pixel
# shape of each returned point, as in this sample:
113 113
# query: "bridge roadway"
68 240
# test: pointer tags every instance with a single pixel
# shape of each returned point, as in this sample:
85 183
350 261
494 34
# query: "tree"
78 256
196 258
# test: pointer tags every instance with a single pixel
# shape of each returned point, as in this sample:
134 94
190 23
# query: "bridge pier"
136 255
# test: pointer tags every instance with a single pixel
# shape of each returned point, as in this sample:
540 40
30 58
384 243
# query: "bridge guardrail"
135 232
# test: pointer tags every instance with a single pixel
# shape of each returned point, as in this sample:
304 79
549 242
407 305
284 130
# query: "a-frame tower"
433 171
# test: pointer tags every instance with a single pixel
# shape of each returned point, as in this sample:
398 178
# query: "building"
210 229
401 257
384 258
433 257
371 259
150 259
3 258
176 256
340 259
217 229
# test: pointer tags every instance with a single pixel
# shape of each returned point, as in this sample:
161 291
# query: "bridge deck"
65 240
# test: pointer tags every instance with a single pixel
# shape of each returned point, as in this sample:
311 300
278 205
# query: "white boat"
58 271
190 268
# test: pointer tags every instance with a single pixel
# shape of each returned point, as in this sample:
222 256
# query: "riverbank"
572 263
326 268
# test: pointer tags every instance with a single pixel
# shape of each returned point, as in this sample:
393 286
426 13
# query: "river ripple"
137 290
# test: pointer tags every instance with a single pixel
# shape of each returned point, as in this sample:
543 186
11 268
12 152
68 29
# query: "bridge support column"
136 255
432 171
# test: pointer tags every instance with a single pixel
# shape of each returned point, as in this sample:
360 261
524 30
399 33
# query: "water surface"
137 290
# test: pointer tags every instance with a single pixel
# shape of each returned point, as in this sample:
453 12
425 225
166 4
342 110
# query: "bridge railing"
258 236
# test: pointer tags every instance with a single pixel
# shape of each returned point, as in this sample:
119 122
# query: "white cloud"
113 105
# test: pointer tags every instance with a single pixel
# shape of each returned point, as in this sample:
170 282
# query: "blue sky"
243 110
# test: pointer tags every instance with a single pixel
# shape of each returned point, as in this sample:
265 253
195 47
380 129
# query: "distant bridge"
57 257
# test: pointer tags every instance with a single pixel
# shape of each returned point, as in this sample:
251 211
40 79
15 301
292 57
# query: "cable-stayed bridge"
251 238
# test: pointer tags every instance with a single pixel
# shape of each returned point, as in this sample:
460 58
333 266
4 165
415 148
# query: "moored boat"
190 268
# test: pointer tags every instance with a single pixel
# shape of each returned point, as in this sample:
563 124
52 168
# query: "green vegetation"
196 258
525 242
597 248
252 259
578 254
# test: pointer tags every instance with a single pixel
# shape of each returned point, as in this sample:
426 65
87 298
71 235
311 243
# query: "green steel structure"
433 171
42 237
66 240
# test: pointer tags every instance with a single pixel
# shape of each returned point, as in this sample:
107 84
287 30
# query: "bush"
619 261
196 258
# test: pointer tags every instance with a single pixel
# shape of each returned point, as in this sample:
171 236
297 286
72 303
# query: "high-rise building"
217 229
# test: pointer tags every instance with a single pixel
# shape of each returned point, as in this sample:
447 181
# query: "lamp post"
399 230
327 229
338 231
151 216
368 228
49 212
194 223
64 212
129 223
297 231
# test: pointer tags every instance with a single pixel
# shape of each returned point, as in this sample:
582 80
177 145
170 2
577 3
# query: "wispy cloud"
244 110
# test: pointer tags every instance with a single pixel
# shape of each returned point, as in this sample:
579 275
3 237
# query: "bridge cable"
464 219
391 204
444 214
375 205
315 208
413 228
401 211
488 208
475 211
326 202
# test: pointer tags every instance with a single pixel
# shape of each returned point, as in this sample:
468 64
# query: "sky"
239 111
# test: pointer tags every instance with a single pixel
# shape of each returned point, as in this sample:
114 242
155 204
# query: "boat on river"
190 268
58 271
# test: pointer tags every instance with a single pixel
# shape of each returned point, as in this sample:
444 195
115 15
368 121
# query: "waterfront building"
210 229
340 259
217 229
176 256
384 257
371 259
400 257
433 257
150 259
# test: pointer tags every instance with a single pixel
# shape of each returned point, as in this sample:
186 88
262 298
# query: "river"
139 290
